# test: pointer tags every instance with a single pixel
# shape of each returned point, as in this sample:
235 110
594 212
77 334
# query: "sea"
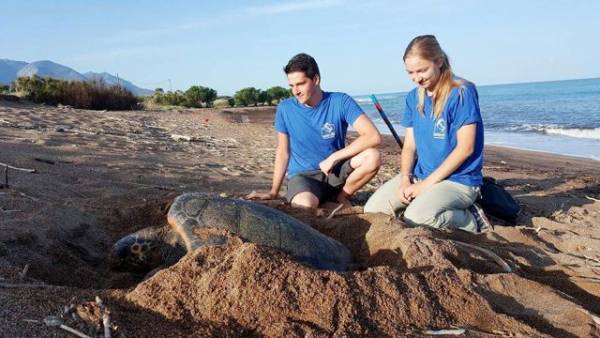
561 117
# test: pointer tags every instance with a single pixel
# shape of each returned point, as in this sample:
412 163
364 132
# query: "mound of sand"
410 285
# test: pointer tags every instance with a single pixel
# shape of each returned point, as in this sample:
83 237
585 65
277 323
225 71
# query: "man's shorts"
325 187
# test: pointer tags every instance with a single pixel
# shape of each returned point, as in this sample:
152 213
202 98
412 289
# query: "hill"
10 70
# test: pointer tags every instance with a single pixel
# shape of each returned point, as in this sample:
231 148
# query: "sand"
102 175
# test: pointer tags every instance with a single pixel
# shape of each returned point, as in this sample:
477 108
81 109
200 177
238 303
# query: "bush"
246 96
85 95
279 93
264 97
224 101
196 96
176 98
4 89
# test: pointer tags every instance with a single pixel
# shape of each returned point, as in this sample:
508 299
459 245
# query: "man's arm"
282 156
368 137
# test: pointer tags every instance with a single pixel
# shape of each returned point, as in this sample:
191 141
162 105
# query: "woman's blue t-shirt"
436 138
315 132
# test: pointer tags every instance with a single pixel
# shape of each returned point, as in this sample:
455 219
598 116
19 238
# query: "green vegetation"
194 97
169 98
279 93
224 102
4 89
252 96
198 96
85 95
246 96
98 95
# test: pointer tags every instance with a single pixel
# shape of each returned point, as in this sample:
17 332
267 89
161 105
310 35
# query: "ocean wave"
550 129
575 132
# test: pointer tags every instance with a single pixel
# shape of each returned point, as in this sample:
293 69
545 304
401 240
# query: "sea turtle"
195 220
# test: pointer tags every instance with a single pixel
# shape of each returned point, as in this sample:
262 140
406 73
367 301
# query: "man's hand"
254 195
327 164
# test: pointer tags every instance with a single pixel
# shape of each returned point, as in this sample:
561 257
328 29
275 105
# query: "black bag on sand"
498 202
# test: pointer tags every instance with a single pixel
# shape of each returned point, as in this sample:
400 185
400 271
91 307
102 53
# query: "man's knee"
305 199
371 159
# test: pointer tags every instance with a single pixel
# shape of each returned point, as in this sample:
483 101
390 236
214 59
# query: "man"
311 132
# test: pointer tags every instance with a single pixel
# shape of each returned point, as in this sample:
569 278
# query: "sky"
229 45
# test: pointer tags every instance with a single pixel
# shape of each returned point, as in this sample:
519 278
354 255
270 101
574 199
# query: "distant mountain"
10 70
50 69
113 80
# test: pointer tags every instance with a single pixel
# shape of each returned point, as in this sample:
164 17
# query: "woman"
443 147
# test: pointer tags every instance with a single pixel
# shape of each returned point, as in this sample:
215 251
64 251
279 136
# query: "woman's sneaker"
483 223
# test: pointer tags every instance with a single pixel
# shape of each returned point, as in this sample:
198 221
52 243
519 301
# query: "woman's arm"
465 145
407 162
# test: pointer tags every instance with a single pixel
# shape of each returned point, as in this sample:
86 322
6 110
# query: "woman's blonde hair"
427 47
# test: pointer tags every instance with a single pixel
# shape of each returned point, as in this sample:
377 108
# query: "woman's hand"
415 189
405 184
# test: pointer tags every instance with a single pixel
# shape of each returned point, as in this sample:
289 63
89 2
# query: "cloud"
292 7
258 11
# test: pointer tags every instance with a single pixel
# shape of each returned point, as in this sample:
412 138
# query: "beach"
100 175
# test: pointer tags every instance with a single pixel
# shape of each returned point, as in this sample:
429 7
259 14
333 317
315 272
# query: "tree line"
199 96
99 95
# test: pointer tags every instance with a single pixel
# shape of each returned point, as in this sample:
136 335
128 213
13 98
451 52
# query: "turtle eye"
136 248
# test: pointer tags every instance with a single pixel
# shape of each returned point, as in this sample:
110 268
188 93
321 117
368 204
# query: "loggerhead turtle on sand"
193 215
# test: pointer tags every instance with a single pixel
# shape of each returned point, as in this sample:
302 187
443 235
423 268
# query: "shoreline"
496 135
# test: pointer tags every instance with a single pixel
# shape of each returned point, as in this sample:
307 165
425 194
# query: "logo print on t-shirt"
439 130
327 131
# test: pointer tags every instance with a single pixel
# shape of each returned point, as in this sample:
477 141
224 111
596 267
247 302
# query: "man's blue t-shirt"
436 138
315 132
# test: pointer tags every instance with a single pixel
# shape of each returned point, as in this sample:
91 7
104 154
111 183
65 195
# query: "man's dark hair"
303 63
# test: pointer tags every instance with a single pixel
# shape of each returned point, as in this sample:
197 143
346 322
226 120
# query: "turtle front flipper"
143 250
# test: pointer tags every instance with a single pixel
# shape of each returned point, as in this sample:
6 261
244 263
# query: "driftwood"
23 274
186 138
16 168
392 208
105 317
54 321
338 208
488 253
6 167
447 332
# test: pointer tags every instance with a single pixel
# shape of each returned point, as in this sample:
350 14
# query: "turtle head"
139 252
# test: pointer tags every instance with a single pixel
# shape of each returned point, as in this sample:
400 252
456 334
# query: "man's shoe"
483 223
